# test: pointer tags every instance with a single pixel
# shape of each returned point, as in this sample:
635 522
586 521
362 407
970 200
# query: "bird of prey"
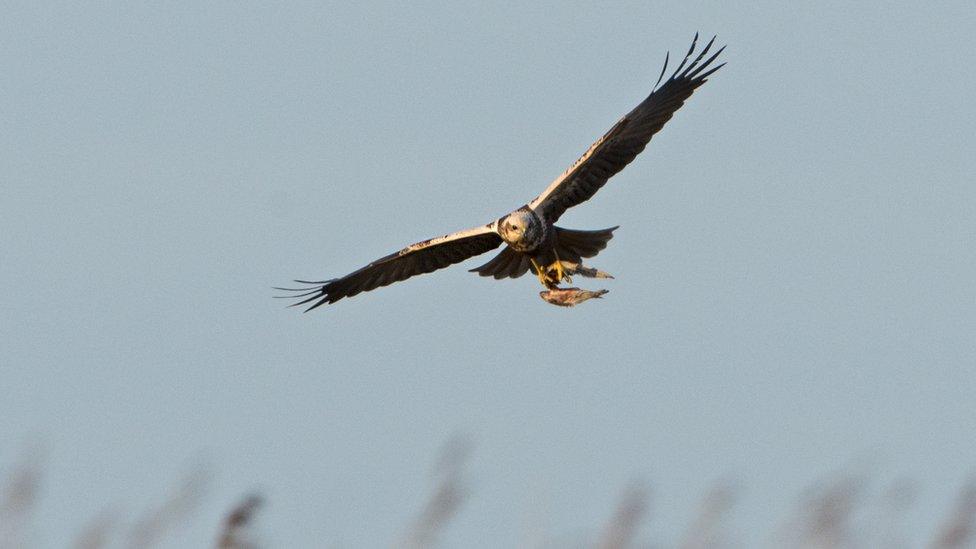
532 239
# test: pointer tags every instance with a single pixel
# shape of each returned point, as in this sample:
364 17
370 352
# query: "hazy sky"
795 264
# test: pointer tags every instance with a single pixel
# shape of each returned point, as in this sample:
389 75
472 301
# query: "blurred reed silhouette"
832 514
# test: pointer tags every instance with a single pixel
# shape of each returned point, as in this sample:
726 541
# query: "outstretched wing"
422 257
626 139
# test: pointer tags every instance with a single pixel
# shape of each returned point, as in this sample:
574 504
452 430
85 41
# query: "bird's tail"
573 245
507 264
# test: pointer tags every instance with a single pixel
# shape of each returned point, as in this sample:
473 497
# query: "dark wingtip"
314 291
698 72
694 63
321 302
709 73
304 301
664 69
694 43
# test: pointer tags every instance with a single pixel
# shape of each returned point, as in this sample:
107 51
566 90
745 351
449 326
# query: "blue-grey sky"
795 264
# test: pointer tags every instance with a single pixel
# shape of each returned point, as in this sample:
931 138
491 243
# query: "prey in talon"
568 297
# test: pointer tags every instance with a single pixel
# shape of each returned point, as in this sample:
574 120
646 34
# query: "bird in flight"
532 239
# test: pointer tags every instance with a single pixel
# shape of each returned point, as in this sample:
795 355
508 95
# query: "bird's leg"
541 274
583 270
560 273
564 272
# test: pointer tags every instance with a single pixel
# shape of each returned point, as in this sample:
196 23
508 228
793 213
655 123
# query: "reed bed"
829 515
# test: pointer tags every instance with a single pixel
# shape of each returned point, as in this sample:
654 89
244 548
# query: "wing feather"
420 258
627 138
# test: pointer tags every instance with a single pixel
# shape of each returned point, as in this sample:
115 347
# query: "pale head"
521 229
514 225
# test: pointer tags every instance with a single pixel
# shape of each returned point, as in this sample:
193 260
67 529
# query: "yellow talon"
552 274
560 272
540 273
557 266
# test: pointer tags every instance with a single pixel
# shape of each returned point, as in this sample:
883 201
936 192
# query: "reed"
830 515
